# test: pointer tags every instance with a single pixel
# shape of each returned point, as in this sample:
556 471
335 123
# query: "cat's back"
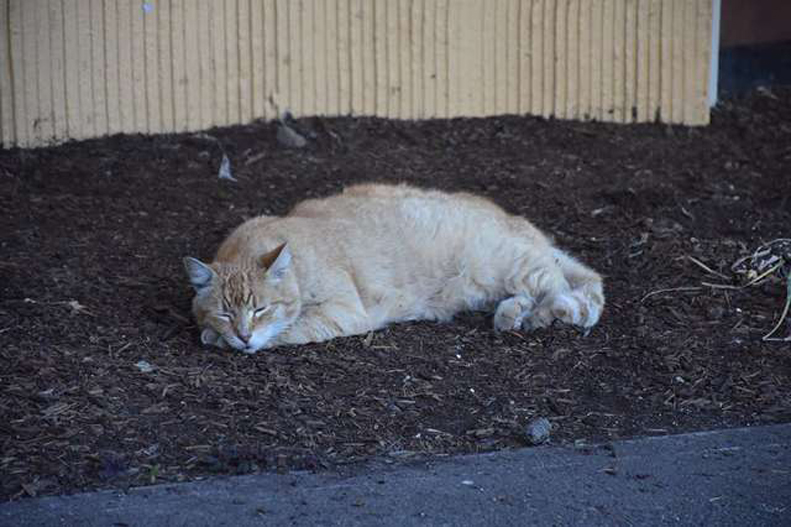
373 220
398 202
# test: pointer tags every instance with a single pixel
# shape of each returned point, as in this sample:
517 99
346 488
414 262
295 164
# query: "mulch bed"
91 284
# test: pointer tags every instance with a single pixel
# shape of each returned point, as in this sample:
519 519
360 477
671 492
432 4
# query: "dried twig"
783 315
705 267
671 290
751 283
723 286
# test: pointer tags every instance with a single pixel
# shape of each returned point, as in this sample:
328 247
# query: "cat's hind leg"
536 277
580 304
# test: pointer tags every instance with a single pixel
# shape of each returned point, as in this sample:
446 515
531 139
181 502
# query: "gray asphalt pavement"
738 477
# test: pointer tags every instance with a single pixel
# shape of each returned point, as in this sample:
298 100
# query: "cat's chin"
261 339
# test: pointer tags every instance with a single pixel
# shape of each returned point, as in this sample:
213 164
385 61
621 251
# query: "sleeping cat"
377 254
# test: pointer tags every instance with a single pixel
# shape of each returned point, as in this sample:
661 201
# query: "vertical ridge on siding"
232 78
112 70
665 61
404 55
429 59
217 75
57 71
4 26
523 91
344 59
513 49
178 58
550 59
500 92
139 88
415 53
270 59
488 37
293 64
443 58
30 73
512 57
99 68
608 61
152 51
631 57
17 81
319 52
573 65
690 59
165 60
88 121
704 52
244 51
619 62
655 59
257 57
356 66
332 58
93 67
453 16
285 91
597 60
204 108
393 71
642 59
677 61
7 95
537 57
308 57
561 59
380 56
585 83
192 66
44 131
124 95
369 73
71 66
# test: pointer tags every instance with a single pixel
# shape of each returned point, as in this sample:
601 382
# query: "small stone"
288 138
716 312
144 366
225 169
538 431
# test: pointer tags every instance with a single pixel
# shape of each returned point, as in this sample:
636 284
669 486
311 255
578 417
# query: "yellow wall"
87 68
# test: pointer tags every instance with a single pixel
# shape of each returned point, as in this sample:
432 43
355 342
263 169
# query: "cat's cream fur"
377 254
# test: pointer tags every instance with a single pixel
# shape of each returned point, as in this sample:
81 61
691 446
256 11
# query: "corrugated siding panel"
86 68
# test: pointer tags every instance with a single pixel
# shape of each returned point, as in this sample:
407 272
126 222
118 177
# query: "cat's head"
246 305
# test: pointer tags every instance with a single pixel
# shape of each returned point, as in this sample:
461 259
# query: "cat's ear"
200 274
276 262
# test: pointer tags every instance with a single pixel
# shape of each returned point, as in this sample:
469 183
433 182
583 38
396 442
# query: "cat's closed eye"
224 316
262 310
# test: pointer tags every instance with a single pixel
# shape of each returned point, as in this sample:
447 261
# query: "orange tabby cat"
377 254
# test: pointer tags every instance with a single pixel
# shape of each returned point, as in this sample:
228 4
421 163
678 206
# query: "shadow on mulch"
91 285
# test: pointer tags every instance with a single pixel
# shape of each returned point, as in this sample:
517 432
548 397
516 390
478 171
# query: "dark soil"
91 284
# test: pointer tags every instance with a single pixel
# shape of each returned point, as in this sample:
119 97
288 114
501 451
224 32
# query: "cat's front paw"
512 312
210 337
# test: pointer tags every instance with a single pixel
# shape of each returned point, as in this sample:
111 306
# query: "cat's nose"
245 337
